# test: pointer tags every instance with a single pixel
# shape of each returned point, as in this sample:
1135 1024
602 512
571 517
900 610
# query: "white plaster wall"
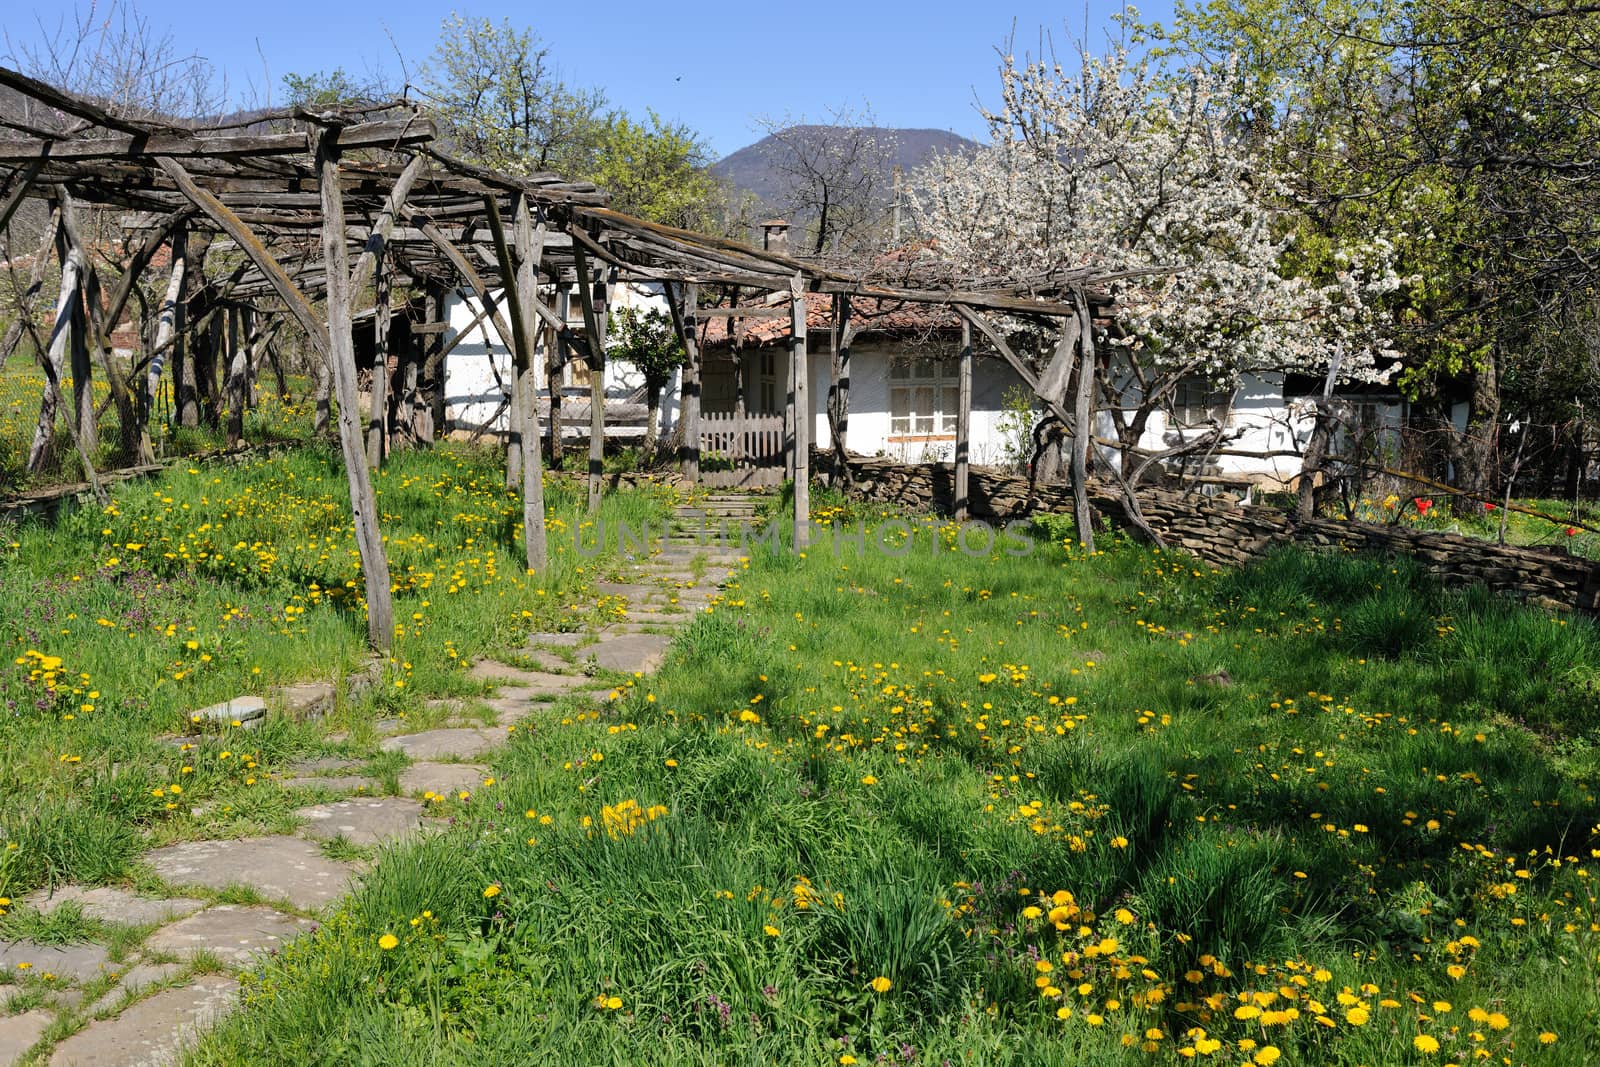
472 392
868 432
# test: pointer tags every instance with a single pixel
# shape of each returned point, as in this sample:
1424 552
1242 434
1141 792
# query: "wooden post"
964 422
433 371
844 332
684 303
42 451
592 293
800 404
736 449
341 360
237 388
788 412
1083 424
378 414
169 319
560 353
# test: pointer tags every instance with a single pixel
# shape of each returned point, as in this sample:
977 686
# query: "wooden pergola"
335 203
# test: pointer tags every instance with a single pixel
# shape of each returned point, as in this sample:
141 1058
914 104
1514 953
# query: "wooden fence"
741 451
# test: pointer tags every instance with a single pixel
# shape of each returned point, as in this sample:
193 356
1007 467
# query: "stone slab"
151 1033
537 681
364 821
558 640
76 963
113 905
306 700
287 868
244 710
19 1033
324 765
337 783
632 652
233 932
141 975
631 590
446 778
462 742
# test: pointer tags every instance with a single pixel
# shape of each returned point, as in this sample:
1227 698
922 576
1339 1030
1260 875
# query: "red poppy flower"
1572 531
1422 504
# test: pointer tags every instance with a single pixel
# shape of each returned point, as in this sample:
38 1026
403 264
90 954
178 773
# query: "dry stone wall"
1229 534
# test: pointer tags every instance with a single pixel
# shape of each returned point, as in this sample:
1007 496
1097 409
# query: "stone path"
223 902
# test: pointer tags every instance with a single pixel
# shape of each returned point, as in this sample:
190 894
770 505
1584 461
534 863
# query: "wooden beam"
373 252
463 267
224 218
594 325
168 314
340 348
1082 425
1024 371
16 196
964 422
529 250
760 311
801 441
390 134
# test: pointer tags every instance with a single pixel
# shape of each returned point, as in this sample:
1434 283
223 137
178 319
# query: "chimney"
775 236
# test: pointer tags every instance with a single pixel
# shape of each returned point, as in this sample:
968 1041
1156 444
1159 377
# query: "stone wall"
1229 534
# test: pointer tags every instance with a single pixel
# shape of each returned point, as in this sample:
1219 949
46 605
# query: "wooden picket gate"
741 452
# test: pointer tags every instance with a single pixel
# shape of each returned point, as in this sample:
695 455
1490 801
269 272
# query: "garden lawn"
1040 808
215 581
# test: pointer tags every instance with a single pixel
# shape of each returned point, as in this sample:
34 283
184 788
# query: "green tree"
646 339
656 170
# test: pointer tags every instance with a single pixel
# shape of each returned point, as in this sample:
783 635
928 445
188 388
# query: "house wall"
472 390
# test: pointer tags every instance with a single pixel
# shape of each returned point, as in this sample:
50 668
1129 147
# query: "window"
1197 402
922 397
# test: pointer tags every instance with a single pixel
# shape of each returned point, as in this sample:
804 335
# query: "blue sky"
714 66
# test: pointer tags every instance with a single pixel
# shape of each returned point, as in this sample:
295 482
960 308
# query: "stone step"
283 867
152 1031
364 821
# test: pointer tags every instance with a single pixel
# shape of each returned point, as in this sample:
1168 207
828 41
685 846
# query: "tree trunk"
1478 447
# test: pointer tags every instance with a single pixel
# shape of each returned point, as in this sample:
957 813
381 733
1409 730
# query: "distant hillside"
751 166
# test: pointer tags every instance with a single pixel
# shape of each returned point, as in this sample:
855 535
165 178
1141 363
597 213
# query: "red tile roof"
872 316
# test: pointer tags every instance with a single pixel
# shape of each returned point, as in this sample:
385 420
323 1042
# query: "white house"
902 391
477 373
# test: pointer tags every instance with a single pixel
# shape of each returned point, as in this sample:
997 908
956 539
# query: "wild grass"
925 808
215 581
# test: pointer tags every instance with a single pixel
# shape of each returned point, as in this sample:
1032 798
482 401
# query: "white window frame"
925 390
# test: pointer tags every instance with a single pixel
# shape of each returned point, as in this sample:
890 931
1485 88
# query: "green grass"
214 581
1002 785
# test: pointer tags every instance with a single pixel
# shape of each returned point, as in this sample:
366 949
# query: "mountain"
751 166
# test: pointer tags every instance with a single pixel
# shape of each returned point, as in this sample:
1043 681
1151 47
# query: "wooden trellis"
322 206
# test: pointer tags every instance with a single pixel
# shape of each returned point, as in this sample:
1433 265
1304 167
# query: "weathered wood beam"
370 256
759 311
802 416
594 325
1083 421
529 248
391 134
1025 372
342 360
464 268
25 296
14 198
224 218
167 326
963 422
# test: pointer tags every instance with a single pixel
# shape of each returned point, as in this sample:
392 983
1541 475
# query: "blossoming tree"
1148 177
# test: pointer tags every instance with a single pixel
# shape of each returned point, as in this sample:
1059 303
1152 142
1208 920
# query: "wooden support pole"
1083 424
236 387
378 412
520 273
42 451
529 250
844 332
800 398
592 294
560 353
342 362
121 393
168 322
964 422
788 410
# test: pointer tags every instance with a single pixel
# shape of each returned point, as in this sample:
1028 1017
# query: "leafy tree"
646 339
503 104
330 89
656 170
